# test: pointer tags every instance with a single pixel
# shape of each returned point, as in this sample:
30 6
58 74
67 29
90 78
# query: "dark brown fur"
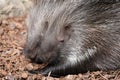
74 36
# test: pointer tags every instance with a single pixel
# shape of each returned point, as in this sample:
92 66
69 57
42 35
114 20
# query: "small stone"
80 75
4 73
24 75
29 67
9 77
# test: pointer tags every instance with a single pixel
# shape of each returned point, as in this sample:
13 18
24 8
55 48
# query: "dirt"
13 64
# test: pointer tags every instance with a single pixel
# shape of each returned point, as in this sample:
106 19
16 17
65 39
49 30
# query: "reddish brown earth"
14 66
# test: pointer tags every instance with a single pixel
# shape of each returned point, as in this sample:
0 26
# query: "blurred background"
13 8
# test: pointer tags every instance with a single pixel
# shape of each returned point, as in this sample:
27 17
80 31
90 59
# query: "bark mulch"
13 64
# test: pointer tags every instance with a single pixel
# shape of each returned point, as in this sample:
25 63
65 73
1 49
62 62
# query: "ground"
13 64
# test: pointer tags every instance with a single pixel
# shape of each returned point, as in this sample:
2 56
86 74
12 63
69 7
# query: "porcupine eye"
65 35
67 28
